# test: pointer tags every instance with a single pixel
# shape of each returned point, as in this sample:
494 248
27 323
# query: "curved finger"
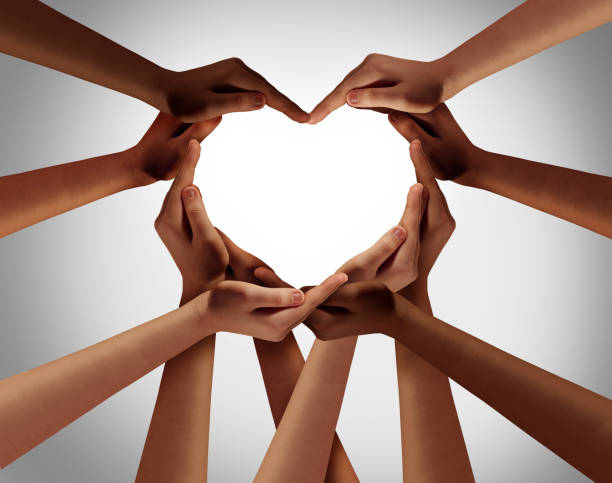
422 166
200 130
381 97
242 101
172 206
201 227
411 218
264 297
376 255
274 98
406 126
241 262
337 97
267 276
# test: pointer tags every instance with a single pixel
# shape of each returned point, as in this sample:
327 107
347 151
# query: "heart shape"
305 198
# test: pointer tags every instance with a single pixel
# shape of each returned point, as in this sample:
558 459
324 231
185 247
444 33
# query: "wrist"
447 76
200 307
134 165
416 289
160 83
477 161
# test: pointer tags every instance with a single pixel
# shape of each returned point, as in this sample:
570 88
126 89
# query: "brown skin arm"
282 362
581 198
30 197
32 31
571 421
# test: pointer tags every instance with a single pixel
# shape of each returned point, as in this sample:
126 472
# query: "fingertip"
297 297
340 277
189 192
399 232
259 101
352 98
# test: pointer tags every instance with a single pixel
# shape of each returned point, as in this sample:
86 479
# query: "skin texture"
390 83
301 446
581 198
176 448
37 403
282 362
35 32
430 427
30 197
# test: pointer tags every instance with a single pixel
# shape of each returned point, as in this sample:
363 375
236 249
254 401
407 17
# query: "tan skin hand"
385 83
225 86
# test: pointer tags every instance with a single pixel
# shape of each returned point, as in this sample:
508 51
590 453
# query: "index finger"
173 205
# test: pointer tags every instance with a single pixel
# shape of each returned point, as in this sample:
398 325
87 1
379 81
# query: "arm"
282 362
28 198
385 82
176 448
576 196
31 30
301 446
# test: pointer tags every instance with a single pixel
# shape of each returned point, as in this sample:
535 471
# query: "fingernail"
342 276
297 297
189 193
353 98
399 233
394 116
258 100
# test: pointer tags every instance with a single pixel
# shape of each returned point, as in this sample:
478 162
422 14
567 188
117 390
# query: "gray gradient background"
533 285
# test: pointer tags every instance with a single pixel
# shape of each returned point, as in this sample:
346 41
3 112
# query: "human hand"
157 154
191 239
383 82
226 86
451 154
261 312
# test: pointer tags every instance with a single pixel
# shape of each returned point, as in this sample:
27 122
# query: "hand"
437 224
356 309
156 156
260 312
393 259
386 83
226 86
191 239
450 152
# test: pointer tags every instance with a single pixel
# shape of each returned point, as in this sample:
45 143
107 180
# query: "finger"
350 296
264 297
386 97
241 262
406 126
376 255
337 97
267 276
200 130
224 103
172 206
318 294
201 227
422 167
411 218
274 98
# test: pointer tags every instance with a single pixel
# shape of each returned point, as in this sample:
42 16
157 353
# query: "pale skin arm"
282 362
301 446
30 197
571 421
430 427
390 83
576 196
32 31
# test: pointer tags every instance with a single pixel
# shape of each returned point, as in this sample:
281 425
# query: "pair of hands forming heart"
209 261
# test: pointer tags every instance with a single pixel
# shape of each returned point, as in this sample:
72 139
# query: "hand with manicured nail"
219 88
383 82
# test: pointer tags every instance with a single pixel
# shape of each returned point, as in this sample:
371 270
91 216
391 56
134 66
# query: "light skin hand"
385 83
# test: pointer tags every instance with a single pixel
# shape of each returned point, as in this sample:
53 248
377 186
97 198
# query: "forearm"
35 32
430 427
281 364
37 403
576 196
176 448
30 197
533 26
570 420
300 449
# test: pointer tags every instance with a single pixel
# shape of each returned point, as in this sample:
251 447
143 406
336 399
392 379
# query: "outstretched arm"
301 446
282 362
581 198
30 197
31 30
430 428
571 421
385 82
